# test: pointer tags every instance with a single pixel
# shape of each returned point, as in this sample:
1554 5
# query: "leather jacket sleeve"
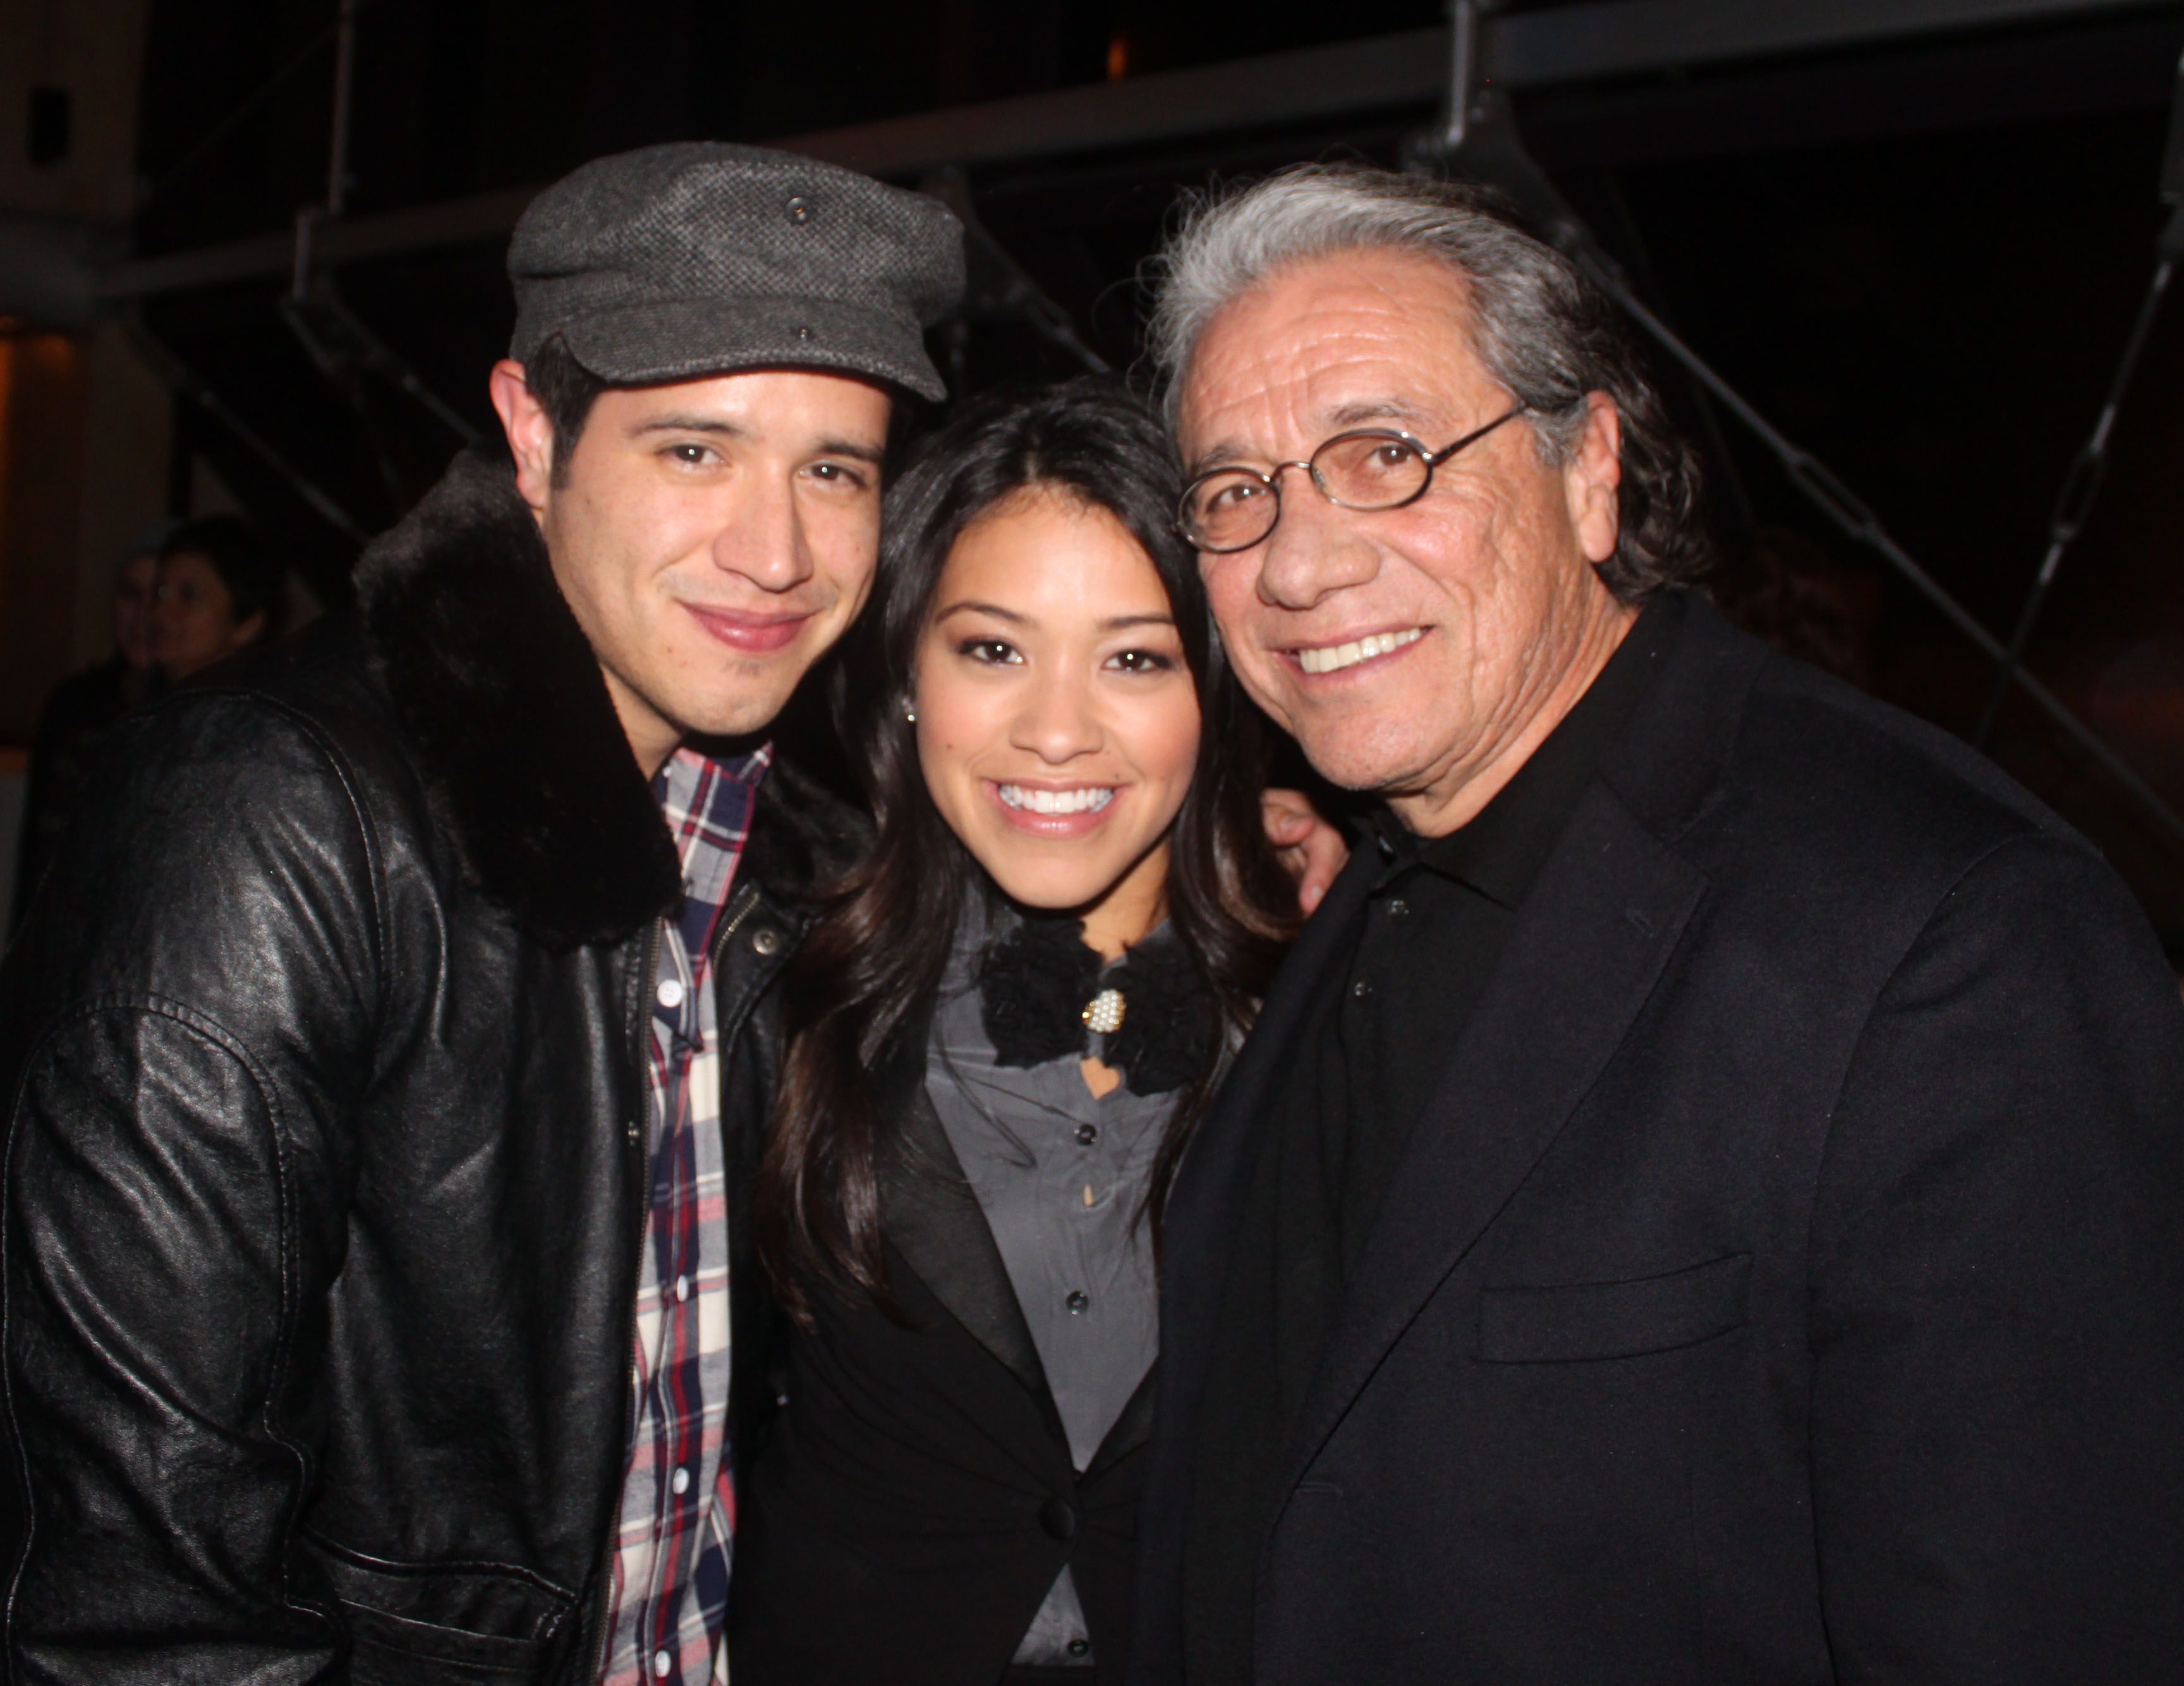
189 1011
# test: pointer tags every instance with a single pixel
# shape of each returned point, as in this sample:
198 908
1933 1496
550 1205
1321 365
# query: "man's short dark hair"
256 579
565 390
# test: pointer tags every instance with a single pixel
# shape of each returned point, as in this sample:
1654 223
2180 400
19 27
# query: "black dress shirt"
1381 1030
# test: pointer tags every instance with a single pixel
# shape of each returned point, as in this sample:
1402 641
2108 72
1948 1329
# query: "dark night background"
1919 260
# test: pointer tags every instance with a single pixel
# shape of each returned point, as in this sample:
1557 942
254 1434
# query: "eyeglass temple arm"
1478 433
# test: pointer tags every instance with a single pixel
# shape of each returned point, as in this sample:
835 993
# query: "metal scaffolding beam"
1605 40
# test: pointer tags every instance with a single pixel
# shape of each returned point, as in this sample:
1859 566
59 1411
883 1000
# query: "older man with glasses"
1703 1202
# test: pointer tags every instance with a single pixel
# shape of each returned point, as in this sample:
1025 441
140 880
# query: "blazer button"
1059 1518
766 940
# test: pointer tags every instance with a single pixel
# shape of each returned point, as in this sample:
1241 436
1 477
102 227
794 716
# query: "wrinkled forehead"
1357 339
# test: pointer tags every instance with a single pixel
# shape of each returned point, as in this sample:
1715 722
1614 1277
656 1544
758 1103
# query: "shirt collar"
706 801
1500 851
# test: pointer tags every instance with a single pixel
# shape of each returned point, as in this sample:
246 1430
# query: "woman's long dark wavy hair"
861 988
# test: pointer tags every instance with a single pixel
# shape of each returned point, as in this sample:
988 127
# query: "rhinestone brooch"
1103 1012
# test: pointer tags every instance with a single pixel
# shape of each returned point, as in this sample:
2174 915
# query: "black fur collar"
502 700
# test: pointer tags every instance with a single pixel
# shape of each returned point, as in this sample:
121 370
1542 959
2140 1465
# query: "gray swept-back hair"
1543 332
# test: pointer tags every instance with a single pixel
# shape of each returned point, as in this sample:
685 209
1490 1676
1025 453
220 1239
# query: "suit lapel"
1129 1430
1209 1191
1199 1236
1596 931
936 1223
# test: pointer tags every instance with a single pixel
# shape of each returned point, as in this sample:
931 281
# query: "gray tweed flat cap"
696 258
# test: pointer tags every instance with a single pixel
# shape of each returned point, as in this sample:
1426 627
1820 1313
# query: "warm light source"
1118 55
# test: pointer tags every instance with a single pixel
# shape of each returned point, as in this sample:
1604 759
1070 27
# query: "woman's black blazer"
914 1497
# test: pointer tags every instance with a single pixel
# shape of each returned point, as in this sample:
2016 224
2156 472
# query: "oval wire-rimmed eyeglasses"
1233 508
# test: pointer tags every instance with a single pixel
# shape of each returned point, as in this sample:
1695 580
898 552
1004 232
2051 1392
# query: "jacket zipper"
739 909
640 1031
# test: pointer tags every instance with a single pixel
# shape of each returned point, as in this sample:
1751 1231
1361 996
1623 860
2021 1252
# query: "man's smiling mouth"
1332 658
752 634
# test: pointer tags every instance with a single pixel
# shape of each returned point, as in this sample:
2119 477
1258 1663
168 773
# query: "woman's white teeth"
1329 657
1085 798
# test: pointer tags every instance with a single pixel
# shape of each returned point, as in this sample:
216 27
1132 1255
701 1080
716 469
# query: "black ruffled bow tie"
1037 985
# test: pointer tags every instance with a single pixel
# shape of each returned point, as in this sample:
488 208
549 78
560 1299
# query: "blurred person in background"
81 708
220 591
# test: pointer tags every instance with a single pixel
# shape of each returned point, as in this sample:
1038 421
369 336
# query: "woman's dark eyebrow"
1115 623
993 608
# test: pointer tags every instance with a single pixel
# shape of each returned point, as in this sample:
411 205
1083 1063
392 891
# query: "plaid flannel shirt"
677 1534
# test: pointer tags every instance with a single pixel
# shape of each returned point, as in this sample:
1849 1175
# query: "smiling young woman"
1057 725
1000 1037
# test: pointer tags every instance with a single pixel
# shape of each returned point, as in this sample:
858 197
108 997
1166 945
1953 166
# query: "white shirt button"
671 992
682 1289
662 1663
681 1482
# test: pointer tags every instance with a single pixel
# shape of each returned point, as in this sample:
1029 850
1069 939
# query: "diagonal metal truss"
1478 138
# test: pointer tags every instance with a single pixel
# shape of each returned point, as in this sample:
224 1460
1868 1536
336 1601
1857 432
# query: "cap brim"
686 339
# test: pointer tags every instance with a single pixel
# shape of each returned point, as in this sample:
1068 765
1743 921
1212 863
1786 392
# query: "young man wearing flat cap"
379 1065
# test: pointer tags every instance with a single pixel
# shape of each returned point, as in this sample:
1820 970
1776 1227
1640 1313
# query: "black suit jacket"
916 1498
1784 1285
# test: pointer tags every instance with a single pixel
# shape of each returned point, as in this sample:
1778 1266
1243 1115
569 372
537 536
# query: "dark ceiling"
1921 261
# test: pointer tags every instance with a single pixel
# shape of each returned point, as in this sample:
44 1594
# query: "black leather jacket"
322 1057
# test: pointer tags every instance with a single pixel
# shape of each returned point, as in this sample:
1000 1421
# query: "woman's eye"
996 652
1141 661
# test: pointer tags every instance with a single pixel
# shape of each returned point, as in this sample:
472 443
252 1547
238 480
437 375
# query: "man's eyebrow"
1367 410
1359 413
874 454
861 450
690 424
1219 456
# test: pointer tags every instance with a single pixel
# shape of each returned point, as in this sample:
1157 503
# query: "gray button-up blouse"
1061 1176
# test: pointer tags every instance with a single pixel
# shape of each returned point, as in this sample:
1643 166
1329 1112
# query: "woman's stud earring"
910 712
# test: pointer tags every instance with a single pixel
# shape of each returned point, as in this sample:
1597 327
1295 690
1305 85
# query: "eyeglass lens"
1229 510
1369 470
1238 507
